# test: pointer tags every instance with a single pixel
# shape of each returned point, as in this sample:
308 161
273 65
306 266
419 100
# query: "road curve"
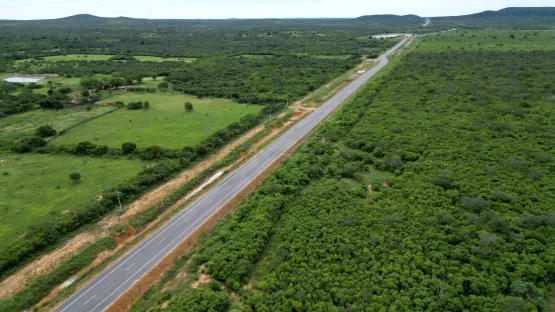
106 287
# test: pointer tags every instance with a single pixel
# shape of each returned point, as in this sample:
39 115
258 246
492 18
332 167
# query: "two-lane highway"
105 288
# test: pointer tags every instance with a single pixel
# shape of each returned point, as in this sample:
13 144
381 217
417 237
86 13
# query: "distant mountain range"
543 17
518 17
513 13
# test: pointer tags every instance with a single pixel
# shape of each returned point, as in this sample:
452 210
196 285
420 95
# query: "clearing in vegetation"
165 123
34 187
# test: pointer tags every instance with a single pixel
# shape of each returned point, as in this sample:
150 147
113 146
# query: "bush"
163 85
135 105
45 131
128 148
474 204
27 145
75 177
201 299
214 285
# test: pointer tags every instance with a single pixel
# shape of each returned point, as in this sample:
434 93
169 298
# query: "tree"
91 83
75 177
163 85
85 92
146 105
188 106
45 131
116 82
154 77
128 147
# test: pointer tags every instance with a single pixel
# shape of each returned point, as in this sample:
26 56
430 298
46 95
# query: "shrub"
45 131
476 204
75 177
27 145
128 148
163 85
201 299
188 106
135 105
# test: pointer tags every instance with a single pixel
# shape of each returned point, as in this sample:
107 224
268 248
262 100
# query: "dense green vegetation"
105 57
200 300
275 80
165 123
487 40
181 38
464 220
26 100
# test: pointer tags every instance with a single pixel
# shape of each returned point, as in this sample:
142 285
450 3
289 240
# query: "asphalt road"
105 288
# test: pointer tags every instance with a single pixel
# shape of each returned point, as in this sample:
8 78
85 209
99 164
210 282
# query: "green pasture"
60 82
35 186
13 128
165 124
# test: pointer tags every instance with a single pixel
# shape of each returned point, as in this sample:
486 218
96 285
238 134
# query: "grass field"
150 83
32 186
61 82
165 124
15 127
105 57
487 40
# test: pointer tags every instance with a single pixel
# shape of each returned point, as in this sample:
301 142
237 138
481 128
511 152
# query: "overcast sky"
42 9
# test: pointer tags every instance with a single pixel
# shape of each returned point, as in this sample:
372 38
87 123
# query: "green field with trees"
432 190
37 187
165 123
489 40
16 127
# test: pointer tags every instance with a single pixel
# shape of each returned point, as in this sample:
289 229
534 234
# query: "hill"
522 18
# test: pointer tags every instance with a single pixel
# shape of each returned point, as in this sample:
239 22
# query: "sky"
214 9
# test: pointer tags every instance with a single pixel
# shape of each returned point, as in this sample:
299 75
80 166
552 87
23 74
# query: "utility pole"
120 210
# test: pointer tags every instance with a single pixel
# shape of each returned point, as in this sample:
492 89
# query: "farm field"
34 187
13 128
165 124
486 40
105 57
